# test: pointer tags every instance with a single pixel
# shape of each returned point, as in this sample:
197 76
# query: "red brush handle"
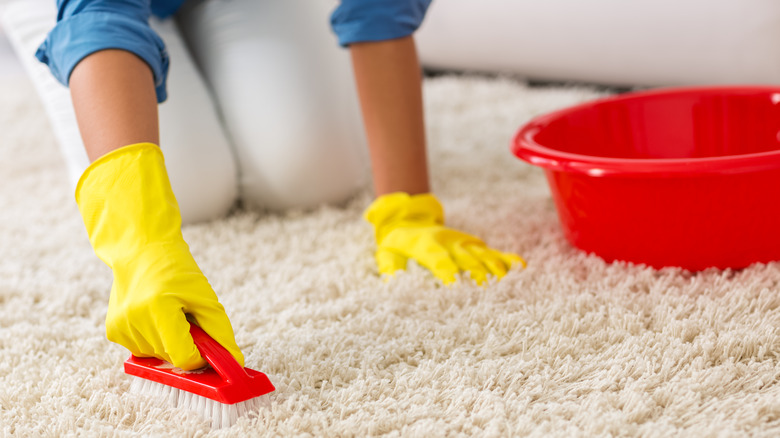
217 356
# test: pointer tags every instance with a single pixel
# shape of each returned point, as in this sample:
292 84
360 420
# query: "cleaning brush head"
221 392
218 414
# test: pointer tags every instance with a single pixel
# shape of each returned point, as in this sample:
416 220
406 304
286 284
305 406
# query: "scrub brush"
220 393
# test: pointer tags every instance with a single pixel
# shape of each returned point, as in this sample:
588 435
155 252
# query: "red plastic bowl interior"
678 177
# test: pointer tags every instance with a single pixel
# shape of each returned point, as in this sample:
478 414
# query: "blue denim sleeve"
356 21
165 8
87 26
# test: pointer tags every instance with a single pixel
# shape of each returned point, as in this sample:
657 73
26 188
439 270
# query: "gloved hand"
413 227
134 225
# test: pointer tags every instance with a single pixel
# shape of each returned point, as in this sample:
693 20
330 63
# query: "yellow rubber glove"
413 227
134 225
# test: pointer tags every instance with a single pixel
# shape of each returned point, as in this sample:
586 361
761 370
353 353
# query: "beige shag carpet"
570 346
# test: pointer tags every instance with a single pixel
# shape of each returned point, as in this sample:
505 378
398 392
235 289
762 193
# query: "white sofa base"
617 42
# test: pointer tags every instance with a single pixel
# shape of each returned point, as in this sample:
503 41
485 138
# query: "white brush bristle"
218 414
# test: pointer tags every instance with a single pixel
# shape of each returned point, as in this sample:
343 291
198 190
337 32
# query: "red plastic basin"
678 177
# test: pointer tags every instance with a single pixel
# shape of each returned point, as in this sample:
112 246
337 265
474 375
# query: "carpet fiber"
570 346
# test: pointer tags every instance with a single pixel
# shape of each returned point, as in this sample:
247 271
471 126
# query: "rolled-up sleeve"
356 21
88 26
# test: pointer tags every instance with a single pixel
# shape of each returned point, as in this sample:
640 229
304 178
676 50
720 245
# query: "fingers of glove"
498 262
389 262
424 246
214 321
470 261
144 338
436 259
123 334
512 259
495 261
174 332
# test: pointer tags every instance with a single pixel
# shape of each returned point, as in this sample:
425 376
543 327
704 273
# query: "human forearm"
114 98
388 78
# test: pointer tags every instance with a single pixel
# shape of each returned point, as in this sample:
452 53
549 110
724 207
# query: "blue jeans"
87 26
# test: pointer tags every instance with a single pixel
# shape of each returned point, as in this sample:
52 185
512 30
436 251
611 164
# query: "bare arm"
388 80
115 102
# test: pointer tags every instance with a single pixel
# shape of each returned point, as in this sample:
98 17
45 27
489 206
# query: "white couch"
618 42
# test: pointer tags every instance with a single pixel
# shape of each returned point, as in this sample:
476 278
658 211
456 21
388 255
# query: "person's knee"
308 166
286 95
204 193
203 176
197 151
200 163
